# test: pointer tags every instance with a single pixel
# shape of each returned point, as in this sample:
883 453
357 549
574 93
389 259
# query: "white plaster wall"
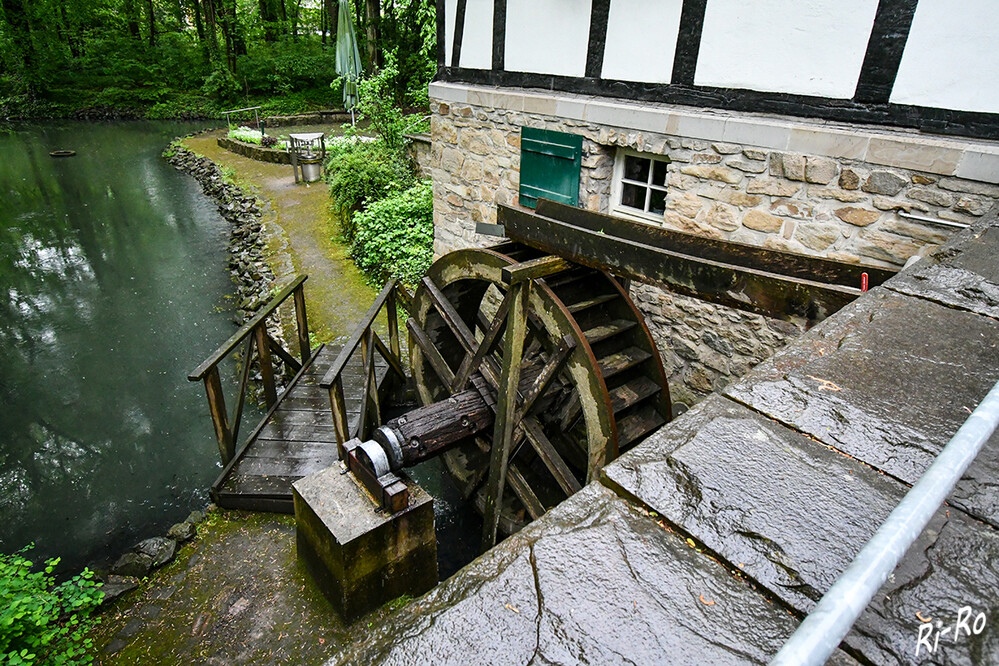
547 36
477 38
950 59
805 47
641 40
450 7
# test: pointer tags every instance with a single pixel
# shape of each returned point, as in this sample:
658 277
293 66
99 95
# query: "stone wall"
705 346
255 152
418 149
840 199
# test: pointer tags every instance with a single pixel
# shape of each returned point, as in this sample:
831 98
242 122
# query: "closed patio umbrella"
348 60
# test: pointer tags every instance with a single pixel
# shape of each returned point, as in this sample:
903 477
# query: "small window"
640 184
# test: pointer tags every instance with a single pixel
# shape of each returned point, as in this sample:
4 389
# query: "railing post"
304 346
393 323
220 418
339 408
266 367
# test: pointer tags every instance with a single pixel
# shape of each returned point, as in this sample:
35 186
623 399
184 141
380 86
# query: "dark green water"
112 288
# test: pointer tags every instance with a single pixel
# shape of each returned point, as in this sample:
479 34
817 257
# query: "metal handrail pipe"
245 330
831 619
933 220
249 108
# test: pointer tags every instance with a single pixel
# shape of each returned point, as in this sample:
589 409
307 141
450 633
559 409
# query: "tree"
373 16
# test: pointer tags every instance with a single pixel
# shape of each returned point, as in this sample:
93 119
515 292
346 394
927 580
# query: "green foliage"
221 85
42 622
394 236
376 102
360 172
170 58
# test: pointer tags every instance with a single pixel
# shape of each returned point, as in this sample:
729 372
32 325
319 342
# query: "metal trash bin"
310 169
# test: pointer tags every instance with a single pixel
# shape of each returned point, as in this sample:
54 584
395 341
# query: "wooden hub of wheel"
591 381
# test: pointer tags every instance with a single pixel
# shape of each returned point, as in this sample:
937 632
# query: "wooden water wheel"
591 382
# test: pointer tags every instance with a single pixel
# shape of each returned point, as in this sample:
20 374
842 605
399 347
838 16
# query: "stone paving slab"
964 273
593 582
792 514
888 380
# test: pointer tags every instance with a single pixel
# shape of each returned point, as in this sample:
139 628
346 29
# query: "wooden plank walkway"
296 439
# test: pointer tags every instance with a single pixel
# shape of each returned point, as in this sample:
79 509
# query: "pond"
112 267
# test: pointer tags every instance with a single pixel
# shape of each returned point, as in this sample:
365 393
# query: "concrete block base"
361 558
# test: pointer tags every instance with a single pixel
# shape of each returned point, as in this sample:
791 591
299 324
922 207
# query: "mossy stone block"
359 557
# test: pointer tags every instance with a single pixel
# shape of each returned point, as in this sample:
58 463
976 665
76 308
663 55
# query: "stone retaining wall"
308 119
418 147
827 191
255 152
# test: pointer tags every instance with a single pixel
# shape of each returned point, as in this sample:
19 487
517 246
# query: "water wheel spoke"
437 362
522 489
550 456
544 378
450 316
491 337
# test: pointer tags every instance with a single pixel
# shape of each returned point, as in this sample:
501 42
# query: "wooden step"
631 393
637 425
604 331
622 360
591 302
564 279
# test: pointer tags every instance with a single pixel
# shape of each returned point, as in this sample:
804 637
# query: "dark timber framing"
459 32
599 14
884 50
869 105
688 42
441 32
499 35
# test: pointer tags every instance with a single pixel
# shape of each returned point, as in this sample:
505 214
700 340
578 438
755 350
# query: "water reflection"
112 264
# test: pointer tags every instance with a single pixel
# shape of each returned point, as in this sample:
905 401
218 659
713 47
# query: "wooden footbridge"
298 435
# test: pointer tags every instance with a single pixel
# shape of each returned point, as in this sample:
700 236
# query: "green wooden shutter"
549 166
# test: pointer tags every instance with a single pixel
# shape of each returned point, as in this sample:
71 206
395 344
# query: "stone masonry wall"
840 208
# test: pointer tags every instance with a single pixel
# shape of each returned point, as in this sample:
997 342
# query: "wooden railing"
369 342
254 332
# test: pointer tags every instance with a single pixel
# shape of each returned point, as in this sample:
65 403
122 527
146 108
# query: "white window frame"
618 181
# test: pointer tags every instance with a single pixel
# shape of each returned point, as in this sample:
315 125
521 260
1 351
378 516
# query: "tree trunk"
332 18
211 29
69 34
294 19
269 20
373 15
198 25
20 31
132 19
151 15
238 39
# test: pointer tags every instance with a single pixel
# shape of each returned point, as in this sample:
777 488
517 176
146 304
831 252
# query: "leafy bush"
41 622
221 85
376 102
361 172
394 236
